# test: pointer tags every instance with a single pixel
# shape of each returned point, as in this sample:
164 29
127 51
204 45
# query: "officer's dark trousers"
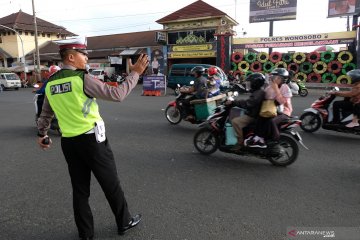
84 155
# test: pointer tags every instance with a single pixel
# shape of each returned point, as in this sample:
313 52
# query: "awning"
130 52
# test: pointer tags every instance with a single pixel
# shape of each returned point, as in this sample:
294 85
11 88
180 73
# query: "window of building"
9 33
26 33
4 33
48 35
208 35
43 34
20 32
0 39
172 37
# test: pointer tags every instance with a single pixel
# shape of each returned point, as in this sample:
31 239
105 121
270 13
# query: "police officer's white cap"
77 43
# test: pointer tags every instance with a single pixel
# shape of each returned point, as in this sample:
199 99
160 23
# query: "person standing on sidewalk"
71 94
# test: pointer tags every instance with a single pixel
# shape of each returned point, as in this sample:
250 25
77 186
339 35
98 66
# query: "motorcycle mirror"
192 83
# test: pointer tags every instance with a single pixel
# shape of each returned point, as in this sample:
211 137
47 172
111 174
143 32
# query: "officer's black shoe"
134 221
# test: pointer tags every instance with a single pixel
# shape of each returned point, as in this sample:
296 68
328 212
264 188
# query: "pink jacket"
284 99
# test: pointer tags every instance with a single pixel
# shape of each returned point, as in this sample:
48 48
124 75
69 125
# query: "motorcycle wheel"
288 151
310 122
303 92
173 114
206 141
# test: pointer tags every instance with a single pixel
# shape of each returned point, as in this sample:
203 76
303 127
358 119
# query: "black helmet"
199 70
282 72
257 80
355 75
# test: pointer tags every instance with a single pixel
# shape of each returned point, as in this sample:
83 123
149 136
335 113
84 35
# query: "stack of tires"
315 67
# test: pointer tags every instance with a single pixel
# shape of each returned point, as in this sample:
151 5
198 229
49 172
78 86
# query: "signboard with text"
338 8
154 83
304 40
272 10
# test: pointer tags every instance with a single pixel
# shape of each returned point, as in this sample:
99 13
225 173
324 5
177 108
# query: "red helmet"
53 69
212 71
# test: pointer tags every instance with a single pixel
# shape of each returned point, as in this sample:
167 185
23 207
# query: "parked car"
9 80
98 73
181 74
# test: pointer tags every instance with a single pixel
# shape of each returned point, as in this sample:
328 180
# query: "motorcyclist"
251 105
198 89
230 76
293 83
278 90
41 91
351 98
214 82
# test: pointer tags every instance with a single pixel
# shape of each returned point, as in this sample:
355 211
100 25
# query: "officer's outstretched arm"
140 65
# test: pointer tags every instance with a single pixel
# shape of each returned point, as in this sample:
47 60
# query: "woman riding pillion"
279 91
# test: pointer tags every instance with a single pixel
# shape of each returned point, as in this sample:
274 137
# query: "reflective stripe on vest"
76 112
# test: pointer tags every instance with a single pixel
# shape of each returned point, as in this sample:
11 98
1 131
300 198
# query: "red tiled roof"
198 9
134 39
103 46
25 22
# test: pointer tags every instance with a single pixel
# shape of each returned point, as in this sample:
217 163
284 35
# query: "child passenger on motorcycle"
214 82
251 105
278 90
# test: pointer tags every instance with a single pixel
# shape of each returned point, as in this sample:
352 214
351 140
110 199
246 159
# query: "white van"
9 80
98 73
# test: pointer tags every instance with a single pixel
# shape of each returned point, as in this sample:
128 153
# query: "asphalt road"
181 194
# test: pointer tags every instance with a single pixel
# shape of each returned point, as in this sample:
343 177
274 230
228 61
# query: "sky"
95 18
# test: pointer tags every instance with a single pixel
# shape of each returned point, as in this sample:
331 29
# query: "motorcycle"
54 125
216 131
320 114
298 87
180 108
237 86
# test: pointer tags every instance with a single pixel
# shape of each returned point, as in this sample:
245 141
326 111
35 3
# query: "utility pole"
36 40
22 48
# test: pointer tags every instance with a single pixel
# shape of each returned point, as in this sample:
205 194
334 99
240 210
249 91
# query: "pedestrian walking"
71 94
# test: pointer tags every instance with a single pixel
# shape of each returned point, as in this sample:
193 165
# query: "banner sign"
200 47
272 10
304 40
153 83
194 54
338 8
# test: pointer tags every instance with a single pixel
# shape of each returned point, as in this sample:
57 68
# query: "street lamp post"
22 47
36 39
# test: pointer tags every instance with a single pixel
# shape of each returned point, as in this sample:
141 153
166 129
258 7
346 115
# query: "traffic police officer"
71 94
